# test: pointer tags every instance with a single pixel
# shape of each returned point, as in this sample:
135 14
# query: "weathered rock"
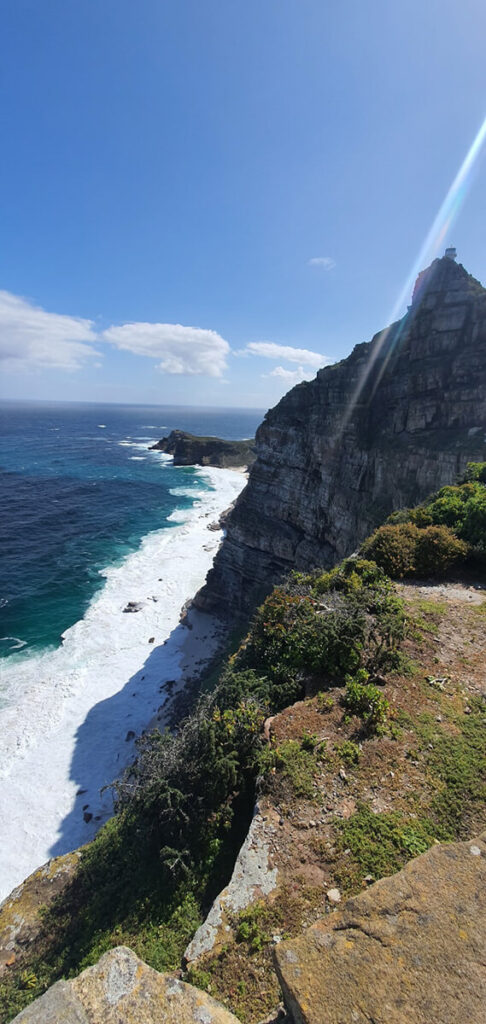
122 988
252 878
190 450
400 417
20 922
412 947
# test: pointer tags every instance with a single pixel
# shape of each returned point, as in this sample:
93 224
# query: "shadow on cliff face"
105 742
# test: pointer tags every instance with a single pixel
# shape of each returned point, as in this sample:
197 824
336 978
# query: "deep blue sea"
79 491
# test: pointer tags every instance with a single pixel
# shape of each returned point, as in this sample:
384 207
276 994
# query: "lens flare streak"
434 241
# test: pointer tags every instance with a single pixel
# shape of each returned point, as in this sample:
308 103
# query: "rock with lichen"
410 948
120 987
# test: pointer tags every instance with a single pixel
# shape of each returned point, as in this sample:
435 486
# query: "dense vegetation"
183 807
446 530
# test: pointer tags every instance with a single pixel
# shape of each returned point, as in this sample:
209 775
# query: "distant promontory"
191 450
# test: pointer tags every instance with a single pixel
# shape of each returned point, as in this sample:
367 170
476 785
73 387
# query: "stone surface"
412 948
397 419
20 922
121 988
252 878
191 450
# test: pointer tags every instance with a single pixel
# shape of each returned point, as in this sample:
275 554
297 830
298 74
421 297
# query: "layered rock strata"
397 419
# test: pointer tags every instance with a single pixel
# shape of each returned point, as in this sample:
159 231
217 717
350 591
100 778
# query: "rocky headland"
400 417
191 450
307 845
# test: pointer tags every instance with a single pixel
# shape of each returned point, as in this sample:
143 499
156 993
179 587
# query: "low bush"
348 752
296 763
365 700
460 507
381 844
404 549
437 549
393 548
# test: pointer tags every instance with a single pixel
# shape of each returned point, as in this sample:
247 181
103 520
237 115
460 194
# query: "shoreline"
72 727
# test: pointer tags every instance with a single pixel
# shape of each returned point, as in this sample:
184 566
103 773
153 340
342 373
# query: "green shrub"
348 752
461 507
366 701
437 549
352 576
251 927
298 637
404 549
393 548
291 637
476 471
296 762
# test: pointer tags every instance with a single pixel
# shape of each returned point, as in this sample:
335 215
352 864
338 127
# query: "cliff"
401 416
190 450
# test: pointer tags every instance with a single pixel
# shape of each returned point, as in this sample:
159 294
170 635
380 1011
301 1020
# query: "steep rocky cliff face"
400 417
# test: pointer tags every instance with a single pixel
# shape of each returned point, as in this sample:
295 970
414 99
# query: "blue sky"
203 200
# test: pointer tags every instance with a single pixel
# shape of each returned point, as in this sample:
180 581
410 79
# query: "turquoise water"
79 492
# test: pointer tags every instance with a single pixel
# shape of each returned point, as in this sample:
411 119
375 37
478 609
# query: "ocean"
91 520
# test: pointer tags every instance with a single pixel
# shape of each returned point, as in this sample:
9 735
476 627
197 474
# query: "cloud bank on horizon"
33 339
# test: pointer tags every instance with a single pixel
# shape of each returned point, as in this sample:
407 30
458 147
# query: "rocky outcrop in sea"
191 450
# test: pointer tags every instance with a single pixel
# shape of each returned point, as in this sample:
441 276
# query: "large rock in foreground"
121 988
409 950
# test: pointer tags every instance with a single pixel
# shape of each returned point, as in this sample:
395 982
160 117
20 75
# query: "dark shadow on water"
112 726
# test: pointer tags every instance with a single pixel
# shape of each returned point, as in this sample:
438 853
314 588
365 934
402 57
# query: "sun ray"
433 242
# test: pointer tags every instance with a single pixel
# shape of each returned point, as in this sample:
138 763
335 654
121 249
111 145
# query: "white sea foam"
137 458
141 445
186 492
68 727
15 643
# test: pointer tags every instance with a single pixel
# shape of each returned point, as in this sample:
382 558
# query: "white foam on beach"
70 710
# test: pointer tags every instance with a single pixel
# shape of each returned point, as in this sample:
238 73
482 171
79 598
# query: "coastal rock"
20 920
122 988
252 878
409 948
190 450
397 419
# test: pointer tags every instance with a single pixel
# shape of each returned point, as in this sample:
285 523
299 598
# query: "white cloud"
290 377
324 262
188 350
32 339
269 350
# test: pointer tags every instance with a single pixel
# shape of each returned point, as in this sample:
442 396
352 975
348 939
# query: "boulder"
410 949
121 988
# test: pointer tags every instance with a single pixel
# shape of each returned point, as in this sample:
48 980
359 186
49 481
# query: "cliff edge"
401 416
